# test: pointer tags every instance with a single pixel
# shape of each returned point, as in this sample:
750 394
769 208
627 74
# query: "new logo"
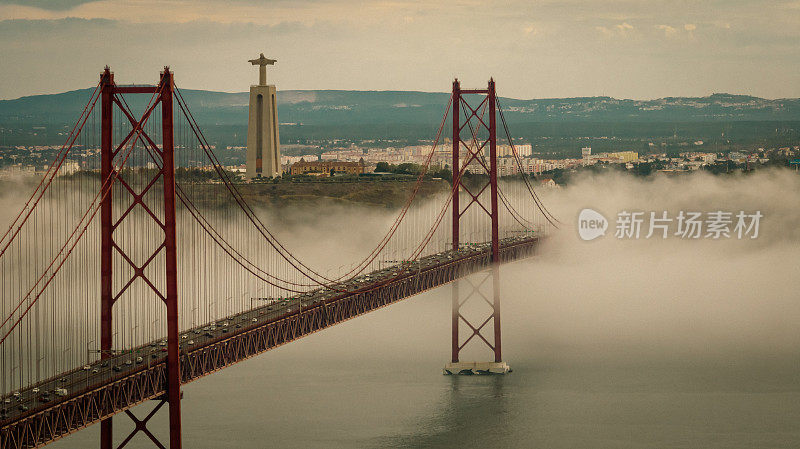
591 224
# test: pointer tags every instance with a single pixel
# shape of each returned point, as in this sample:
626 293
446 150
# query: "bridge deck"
119 383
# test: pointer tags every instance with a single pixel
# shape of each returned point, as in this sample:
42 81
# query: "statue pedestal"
263 143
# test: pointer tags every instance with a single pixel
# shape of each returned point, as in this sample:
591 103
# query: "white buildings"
586 155
523 150
68 168
418 154
289 160
507 166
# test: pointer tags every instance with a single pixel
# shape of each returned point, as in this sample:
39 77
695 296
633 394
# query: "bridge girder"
118 394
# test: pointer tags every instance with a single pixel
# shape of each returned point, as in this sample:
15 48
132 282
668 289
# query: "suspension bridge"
120 283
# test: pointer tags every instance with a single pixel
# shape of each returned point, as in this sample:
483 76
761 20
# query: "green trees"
408 168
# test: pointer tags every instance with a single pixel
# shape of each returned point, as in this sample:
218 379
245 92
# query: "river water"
376 382
613 344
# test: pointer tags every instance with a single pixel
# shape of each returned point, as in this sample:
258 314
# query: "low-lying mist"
660 297
604 299
611 299
614 342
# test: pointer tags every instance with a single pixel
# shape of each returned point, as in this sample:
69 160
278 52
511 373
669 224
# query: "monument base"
263 143
480 368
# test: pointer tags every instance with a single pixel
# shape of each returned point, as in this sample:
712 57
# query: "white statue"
262 62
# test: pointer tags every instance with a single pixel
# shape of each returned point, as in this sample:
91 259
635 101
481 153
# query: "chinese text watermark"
685 225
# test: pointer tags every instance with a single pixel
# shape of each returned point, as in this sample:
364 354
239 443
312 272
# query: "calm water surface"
314 394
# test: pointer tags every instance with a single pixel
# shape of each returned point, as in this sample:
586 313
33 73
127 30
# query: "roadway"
39 394
43 395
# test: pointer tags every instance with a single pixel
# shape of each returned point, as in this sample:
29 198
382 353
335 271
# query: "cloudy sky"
533 48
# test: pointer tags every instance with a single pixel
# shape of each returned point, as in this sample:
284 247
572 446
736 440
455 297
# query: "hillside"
389 194
320 117
326 107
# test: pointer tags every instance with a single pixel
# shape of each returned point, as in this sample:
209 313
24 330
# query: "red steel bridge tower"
72 355
167 292
470 117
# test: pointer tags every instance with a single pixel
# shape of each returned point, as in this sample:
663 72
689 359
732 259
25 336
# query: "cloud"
620 30
52 5
350 44
242 11
604 31
624 27
668 30
690 27
182 12
664 296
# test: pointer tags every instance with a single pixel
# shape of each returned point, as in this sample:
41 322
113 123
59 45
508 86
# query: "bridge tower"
113 238
467 118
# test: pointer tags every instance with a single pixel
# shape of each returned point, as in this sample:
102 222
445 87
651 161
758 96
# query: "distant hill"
336 107
398 117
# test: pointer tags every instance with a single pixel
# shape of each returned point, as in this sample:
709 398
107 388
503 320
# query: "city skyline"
545 49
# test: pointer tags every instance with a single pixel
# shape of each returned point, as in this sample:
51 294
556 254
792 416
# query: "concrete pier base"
472 368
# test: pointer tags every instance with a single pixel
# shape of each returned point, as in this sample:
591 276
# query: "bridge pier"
471 368
474 152
460 297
